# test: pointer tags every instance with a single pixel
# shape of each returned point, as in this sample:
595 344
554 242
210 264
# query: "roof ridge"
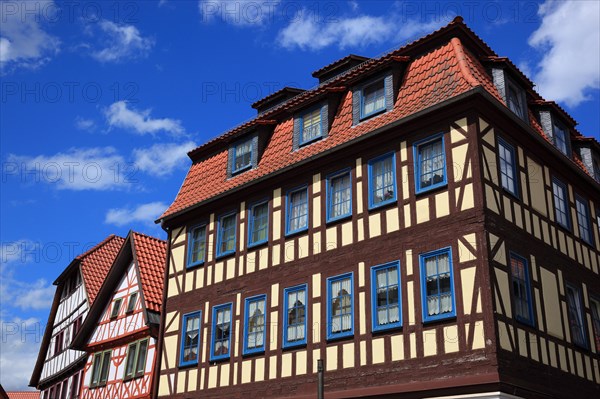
97 246
148 236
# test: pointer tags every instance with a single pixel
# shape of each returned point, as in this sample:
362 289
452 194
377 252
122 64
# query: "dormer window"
510 88
596 167
243 155
311 126
373 99
514 101
560 138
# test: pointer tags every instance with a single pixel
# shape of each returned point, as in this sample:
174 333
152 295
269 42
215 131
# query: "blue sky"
100 101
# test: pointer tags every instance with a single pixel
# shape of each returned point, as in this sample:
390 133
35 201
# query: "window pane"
191 338
131 356
373 98
116 307
382 180
296 315
141 361
227 226
341 305
431 164
339 196
298 211
514 102
575 316
96 369
595 306
222 327
560 138
387 296
582 219
255 313
131 302
259 223
520 289
105 367
242 155
198 244
438 284
311 125
507 166
560 204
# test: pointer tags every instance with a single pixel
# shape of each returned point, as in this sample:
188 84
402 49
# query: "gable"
125 322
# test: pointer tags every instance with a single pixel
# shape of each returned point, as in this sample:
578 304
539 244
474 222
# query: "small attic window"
372 98
514 100
243 155
311 125
561 137
596 167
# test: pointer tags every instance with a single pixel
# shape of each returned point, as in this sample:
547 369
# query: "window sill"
194 265
386 328
514 195
307 142
440 318
371 115
188 364
338 218
383 204
257 352
295 232
219 359
257 244
240 170
427 190
294 345
224 255
340 336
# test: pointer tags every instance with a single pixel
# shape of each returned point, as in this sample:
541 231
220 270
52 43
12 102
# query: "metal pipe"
320 379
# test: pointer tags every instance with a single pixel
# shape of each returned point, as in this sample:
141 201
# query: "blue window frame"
297 210
255 324
190 339
339 195
386 296
220 343
560 138
508 167
258 225
437 285
294 320
576 316
340 306
583 219
372 99
226 234
311 126
521 289
430 168
382 180
196 246
242 156
561 207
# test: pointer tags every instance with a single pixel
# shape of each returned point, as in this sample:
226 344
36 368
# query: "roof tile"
96 263
151 255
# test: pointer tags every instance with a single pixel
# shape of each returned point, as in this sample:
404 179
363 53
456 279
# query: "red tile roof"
23 395
432 76
96 263
151 255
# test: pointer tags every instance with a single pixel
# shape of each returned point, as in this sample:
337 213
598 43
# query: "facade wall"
399 232
556 256
71 308
115 334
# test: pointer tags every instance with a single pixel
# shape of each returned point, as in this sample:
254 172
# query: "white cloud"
569 38
121 43
120 115
85 124
23 41
162 159
238 12
100 168
20 339
144 213
26 295
307 32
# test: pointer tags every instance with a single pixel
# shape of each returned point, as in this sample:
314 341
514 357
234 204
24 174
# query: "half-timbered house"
120 333
424 223
58 369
